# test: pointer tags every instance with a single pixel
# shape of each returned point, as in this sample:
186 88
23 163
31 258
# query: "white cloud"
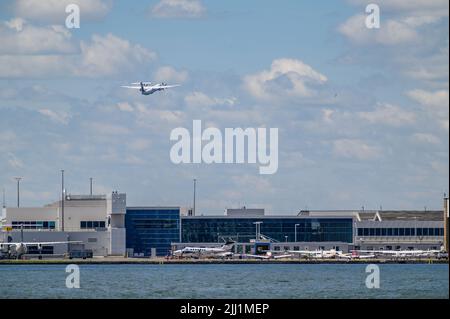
390 33
426 138
354 148
402 26
102 56
108 129
14 162
286 77
125 107
139 144
53 11
200 99
110 55
19 37
178 8
436 7
436 103
254 182
59 117
167 116
169 74
389 115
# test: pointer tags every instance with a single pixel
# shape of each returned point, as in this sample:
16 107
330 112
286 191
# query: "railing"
400 239
66 229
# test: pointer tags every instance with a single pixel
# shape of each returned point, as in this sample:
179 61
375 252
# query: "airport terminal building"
107 226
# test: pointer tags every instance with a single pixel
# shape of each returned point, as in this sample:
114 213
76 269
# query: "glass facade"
34 224
148 228
92 224
398 232
213 230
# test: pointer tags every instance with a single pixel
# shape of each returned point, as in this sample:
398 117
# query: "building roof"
421 215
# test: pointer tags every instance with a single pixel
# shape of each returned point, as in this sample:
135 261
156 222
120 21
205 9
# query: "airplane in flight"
217 252
147 88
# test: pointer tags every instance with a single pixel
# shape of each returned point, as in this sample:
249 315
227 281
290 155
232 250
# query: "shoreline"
162 261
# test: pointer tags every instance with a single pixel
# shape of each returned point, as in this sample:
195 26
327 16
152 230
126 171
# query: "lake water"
225 281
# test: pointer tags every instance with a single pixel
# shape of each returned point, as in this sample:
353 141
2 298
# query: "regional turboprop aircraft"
221 252
19 249
147 88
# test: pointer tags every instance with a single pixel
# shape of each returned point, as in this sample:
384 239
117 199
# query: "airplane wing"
282 256
376 251
258 256
131 87
44 243
167 86
303 252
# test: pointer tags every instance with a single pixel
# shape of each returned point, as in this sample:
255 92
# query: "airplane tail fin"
228 245
142 87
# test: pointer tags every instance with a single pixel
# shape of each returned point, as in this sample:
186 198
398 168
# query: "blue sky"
373 133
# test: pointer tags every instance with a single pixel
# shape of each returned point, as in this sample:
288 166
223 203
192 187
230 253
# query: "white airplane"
147 88
268 255
356 255
332 253
403 253
221 252
20 248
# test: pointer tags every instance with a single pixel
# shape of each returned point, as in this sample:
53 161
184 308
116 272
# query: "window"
92 224
377 231
383 231
389 232
33 224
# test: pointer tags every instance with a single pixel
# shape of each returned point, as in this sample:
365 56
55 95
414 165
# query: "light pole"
62 200
90 180
286 238
195 186
18 190
295 232
258 229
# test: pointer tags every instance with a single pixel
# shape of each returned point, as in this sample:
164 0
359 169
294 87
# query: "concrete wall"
31 214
